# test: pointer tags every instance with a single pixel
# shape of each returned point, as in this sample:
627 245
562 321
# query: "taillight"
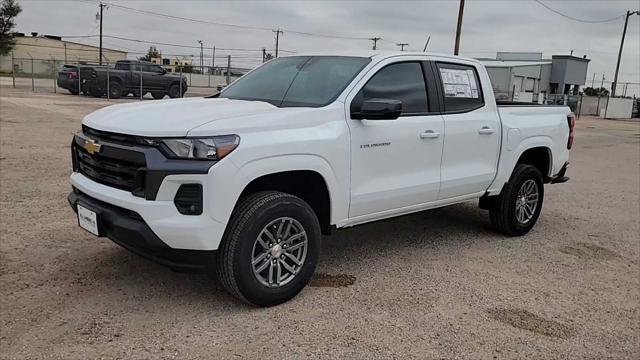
73 75
571 120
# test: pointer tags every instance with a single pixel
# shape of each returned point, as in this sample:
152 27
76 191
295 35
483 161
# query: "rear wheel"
115 90
270 248
516 210
174 91
74 91
158 94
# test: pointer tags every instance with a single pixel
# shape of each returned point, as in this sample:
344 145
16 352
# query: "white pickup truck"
246 181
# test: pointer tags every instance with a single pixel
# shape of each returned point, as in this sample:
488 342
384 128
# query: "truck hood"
173 117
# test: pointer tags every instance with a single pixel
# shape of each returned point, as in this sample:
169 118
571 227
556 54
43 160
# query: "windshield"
312 81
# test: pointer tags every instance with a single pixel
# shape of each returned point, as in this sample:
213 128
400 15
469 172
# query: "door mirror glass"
379 109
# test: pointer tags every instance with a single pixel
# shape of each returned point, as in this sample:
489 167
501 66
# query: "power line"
577 19
159 43
238 26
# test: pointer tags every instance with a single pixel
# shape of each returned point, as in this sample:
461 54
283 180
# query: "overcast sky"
489 26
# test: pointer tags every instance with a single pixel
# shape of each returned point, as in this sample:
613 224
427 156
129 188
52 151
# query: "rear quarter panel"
526 127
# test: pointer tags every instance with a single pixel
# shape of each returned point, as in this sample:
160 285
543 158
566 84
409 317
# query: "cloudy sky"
489 26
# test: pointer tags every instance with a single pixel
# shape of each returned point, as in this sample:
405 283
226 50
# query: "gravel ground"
437 284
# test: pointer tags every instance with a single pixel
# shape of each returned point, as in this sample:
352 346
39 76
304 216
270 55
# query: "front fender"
225 190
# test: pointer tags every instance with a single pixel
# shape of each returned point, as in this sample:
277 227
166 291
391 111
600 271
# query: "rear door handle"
429 134
486 130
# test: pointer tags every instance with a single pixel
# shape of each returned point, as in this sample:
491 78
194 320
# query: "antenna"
426 44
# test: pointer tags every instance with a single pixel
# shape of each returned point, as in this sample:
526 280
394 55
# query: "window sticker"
459 83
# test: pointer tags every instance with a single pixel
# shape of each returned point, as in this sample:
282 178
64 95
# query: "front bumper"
129 230
177 231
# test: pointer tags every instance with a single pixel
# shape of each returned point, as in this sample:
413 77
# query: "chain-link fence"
123 79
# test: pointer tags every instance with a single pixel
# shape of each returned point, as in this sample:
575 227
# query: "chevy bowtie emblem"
91 146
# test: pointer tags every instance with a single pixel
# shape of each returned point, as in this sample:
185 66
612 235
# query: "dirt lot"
437 284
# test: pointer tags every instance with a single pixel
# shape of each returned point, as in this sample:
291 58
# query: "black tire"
115 90
503 210
174 91
234 257
73 91
158 94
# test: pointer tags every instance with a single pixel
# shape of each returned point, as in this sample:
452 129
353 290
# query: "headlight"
210 148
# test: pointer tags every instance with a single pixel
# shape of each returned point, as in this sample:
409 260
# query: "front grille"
111 137
112 171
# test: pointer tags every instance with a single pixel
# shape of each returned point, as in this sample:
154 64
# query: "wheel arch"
538 145
308 185
291 173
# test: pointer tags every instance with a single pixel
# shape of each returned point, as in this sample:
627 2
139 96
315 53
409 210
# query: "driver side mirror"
378 109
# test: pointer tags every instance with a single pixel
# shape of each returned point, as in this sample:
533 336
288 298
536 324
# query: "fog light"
188 199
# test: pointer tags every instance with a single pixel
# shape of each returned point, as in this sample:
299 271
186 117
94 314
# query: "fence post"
140 81
579 107
228 69
79 81
13 70
209 78
53 70
180 80
33 84
108 96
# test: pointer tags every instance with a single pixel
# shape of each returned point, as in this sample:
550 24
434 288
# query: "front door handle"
486 130
429 134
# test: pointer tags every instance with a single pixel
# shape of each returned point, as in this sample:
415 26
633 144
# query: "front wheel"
516 210
270 248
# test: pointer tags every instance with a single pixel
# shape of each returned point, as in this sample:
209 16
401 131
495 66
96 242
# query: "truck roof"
135 62
379 54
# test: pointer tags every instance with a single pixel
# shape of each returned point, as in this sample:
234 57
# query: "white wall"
618 108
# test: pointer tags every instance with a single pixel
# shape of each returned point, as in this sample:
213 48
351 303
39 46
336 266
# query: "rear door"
395 164
472 129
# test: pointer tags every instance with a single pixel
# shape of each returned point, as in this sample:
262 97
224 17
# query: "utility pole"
264 54
375 42
213 60
624 33
201 57
459 28
102 6
593 81
278 32
402 45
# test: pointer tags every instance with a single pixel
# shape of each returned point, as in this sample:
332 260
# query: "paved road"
437 284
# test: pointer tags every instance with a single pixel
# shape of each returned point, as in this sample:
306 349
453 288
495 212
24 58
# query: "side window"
401 81
461 87
155 69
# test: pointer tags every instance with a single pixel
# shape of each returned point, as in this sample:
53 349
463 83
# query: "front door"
395 163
